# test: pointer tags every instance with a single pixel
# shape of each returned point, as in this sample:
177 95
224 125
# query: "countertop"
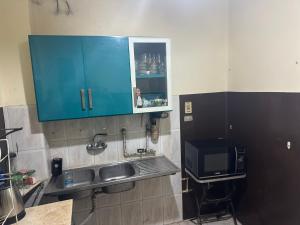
26 189
58 213
145 168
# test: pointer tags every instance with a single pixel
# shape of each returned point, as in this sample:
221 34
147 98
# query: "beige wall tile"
54 130
152 188
132 214
171 146
78 155
78 129
59 149
172 209
110 154
33 159
172 184
134 194
133 123
79 217
152 211
104 200
106 125
32 136
109 216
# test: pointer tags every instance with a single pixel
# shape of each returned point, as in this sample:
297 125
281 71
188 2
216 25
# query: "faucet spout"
97 145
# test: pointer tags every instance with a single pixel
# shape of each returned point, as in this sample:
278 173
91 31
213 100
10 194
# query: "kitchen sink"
76 177
117 172
108 178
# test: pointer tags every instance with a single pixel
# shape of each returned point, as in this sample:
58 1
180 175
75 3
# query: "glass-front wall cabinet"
150 74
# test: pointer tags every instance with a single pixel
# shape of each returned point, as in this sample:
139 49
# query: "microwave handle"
236 159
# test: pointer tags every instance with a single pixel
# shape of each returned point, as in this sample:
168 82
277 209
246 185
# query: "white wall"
1 100
198 29
264 40
264 45
15 68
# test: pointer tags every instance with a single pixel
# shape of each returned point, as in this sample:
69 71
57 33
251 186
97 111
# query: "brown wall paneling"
265 122
2 124
209 121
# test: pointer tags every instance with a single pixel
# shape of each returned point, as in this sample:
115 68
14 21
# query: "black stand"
203 197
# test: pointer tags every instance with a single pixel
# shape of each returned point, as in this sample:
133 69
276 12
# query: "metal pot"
10 198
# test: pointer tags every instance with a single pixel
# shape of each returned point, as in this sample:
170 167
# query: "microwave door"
216 164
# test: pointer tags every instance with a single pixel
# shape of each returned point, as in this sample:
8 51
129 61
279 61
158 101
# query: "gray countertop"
58 213
145 168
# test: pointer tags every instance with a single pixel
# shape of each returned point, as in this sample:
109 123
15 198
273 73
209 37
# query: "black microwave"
214 158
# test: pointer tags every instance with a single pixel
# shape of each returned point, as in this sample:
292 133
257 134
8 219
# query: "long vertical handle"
134 96
90 98
236 159
82 95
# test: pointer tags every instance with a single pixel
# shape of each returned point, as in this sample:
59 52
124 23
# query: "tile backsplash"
154 201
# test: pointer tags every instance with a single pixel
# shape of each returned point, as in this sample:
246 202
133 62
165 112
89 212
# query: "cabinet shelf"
150 76
152 93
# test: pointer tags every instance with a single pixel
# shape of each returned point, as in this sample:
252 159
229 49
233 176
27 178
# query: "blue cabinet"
77 76
107 72
58 77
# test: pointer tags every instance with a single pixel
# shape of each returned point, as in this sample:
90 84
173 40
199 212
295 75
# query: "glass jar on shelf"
150 76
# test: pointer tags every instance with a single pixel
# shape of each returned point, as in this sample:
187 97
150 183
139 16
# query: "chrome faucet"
98 144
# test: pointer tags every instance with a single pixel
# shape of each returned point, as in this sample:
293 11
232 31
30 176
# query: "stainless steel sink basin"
76 177
109 178
117 172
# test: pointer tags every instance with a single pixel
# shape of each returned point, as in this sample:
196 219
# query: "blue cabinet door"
107 74
58 73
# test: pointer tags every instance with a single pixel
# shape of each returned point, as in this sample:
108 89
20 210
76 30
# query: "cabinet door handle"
90 98
134 96
82 95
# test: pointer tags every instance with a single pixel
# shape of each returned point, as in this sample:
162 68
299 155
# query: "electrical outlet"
188 118
188 108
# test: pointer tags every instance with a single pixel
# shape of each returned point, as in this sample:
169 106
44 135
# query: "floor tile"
224 222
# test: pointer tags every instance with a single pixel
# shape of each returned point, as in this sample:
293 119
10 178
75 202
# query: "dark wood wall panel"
265 122
209 121
209 114
2 124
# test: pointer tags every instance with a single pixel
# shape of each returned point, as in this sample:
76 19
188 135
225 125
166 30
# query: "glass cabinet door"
150 74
